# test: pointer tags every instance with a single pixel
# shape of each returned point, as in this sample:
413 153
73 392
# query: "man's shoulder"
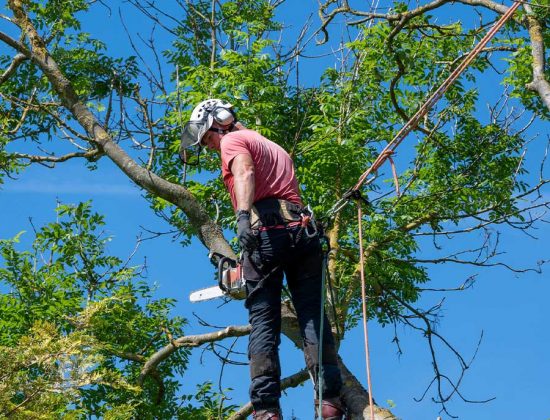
241 139
243 134
237 142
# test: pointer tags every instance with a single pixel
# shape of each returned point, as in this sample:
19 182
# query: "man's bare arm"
242 169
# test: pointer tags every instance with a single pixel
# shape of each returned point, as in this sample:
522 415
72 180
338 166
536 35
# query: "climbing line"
321 334
364 305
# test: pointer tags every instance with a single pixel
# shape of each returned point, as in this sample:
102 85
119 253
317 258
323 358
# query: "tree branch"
476 263
401 18
430 333
488 4
17 60
15 44
91 155
190 341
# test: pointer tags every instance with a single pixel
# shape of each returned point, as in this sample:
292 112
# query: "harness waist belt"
272 213
288 225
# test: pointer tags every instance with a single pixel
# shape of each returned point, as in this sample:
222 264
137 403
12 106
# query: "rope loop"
385 154
395 177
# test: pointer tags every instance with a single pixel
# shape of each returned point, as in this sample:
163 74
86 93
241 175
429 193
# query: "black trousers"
283 251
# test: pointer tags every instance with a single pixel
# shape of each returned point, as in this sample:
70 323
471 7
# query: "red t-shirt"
274 171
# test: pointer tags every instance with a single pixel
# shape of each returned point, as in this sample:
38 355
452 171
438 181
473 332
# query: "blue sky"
512 363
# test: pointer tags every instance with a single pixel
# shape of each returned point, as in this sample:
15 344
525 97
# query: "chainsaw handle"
221 264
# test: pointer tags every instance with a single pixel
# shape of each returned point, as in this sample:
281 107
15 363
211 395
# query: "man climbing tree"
273 230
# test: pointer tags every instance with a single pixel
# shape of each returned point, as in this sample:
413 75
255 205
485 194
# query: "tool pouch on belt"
272 212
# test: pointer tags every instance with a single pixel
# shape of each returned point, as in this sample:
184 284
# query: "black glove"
247 239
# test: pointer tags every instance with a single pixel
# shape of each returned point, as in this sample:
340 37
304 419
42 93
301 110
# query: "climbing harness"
308 224
386 154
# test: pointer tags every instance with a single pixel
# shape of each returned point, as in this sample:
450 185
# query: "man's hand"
247 239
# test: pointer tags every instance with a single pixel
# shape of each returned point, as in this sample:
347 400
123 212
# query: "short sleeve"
231 146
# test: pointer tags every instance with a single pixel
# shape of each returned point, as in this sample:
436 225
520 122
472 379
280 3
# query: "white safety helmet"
202 118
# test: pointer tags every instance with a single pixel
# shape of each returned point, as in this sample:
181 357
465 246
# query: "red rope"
395 178
364 298
432 100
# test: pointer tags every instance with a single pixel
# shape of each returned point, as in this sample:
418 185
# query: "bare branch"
17 60
464 286
155 18
483 263
190 341
145 112
429 332
91 155
149 74
19 46
151 45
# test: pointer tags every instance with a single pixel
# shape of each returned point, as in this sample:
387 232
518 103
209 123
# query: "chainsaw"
231 283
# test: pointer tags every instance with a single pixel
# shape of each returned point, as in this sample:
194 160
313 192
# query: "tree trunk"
539 84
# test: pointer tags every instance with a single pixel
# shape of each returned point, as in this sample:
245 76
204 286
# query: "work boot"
332 409
270 414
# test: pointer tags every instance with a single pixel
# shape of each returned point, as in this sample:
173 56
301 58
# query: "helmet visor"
192 133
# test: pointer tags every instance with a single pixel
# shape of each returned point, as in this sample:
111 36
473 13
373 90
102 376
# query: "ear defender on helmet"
223 116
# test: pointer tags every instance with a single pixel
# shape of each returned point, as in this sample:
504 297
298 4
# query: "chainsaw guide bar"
231 283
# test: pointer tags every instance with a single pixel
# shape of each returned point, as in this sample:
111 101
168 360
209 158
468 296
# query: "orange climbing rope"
389 150
386 154
364 298
432 100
